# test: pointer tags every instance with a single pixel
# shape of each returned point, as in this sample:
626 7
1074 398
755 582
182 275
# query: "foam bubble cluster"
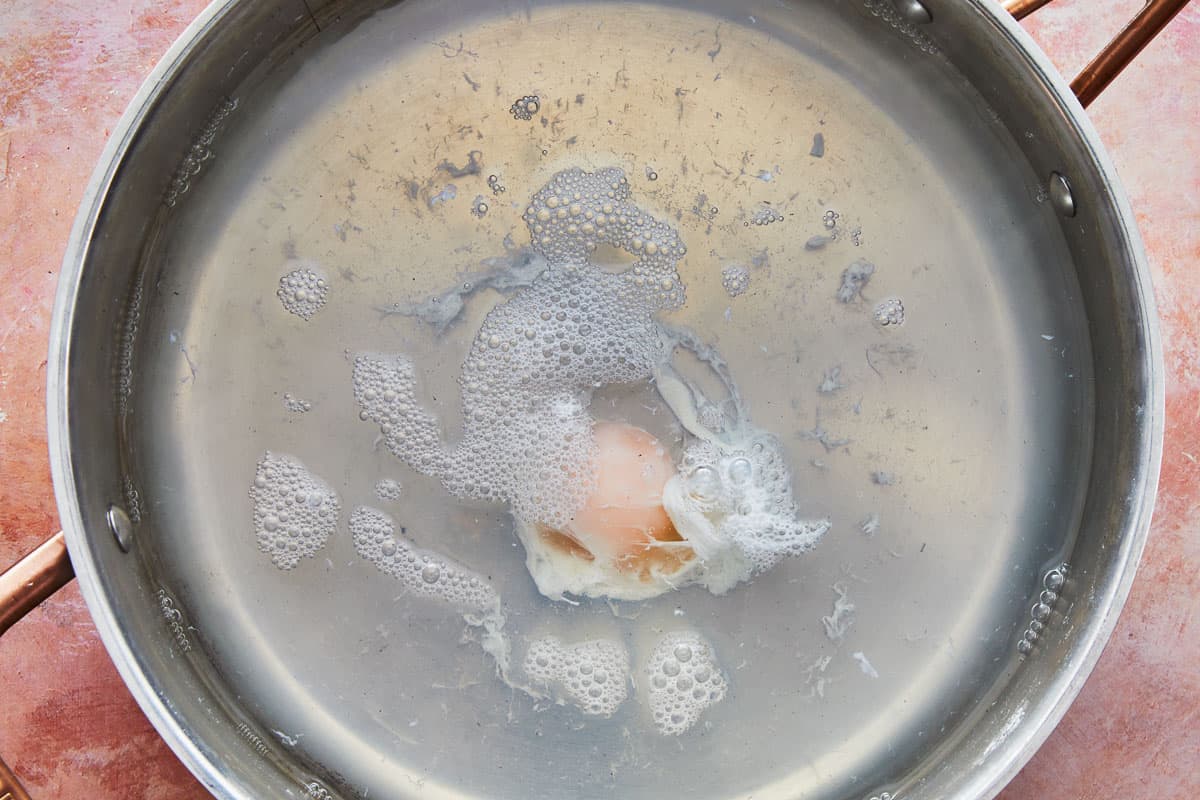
683 680
295 404
735 280
577 211
388 489
523 108
740 497
890 312
421 572
527 436
766 216
303 291
295 512
592 676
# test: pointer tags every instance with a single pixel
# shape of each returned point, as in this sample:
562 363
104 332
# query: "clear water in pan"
390 158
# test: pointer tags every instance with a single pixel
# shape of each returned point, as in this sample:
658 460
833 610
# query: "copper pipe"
10 788
1020 9
1124 47
23 587
41 573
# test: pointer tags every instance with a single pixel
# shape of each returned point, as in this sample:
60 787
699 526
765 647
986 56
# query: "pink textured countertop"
69 727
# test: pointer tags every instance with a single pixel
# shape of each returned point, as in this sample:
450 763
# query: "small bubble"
1024 647
526 107
740 470
1040 612
704 484
431 573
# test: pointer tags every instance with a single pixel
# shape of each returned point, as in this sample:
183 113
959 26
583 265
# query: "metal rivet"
121 527
914 11
1060 195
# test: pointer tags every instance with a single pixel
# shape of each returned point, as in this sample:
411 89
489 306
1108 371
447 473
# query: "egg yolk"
623 520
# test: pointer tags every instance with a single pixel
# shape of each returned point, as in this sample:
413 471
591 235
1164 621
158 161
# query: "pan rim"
985 781
1015 752
137 679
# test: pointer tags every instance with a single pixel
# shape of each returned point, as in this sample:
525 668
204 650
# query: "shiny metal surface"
914 11
1020 333
1060 194
121 527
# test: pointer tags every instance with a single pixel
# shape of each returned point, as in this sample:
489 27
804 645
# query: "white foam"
295 512
592 676
432 575
303 291
421 572
388 489
683 679
736 280
891 312
527 434
732 499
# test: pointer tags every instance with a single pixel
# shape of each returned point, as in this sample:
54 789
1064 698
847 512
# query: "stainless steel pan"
1011 428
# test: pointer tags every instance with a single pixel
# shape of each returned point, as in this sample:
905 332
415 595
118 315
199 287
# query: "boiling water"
836 280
